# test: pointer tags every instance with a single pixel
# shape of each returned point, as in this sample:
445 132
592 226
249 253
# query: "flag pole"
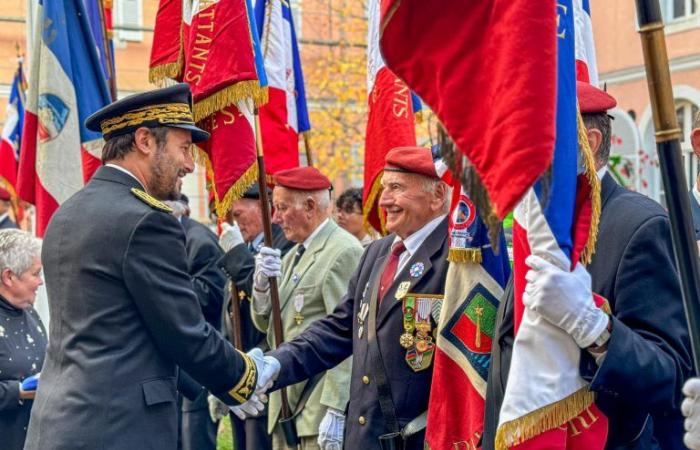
235 317
307 147
108 52
668 134
286 420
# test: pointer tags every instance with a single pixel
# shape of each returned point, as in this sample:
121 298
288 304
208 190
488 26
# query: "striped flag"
285 115
390 120
546 401
66 85
586 65
12 132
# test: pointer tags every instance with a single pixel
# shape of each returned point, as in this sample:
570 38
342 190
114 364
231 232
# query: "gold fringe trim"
158 74
229 96
374 193
235 192
464 255
594 181
543 419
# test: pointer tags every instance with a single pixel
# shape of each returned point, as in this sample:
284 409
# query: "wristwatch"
601 340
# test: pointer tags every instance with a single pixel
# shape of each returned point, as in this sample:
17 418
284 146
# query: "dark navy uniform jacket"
329 341
638 385
123 316
695 210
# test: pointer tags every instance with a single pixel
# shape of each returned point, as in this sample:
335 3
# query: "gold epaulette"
151 200
246 384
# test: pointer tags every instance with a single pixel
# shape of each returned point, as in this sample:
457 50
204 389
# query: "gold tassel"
158 74
594 181
464 255
373 195
229 96
544 419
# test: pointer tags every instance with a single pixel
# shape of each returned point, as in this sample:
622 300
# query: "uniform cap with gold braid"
167 107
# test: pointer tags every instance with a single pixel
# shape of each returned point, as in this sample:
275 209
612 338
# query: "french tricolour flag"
66 85
285 115
12 132
586 66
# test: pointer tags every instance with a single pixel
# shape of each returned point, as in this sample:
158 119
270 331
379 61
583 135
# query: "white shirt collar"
414 241
313 234
121 169
601 173
255 243
4 216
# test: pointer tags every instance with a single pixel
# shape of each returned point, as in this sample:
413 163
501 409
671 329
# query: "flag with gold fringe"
475 280
546 403
168 48
390 120
224 68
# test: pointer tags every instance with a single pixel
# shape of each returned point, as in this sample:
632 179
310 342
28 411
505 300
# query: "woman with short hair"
22 334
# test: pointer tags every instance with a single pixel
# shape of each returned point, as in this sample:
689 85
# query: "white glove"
691 410
268 263
230 237
564 299
251 408
330 431
217 408
268 369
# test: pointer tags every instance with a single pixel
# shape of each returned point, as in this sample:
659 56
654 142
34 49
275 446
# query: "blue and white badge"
417 269
295 278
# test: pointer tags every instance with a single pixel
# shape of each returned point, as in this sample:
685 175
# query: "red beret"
302 179
5 195
411 159
593 100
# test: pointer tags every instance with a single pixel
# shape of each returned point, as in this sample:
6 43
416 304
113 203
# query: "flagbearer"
124 314
636 358
388 306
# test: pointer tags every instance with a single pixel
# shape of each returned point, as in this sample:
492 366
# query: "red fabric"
90 164
8 163
389 272
489 81
390 123
5 194
412 159
586 431
593 100
280 141
302 178
167 35
219 49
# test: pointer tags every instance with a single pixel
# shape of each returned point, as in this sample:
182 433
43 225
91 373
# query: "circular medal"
422 346
406 340
417 269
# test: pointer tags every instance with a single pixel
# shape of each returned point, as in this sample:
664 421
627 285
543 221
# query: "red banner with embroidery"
167 51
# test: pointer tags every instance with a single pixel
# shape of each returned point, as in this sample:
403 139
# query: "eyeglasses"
348 210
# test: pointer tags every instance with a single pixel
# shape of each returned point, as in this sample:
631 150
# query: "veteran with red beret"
312 278
388 305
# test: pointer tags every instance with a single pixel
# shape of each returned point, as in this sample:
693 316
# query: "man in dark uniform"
124 314
638 363
695 191
384 320
239 265
5 205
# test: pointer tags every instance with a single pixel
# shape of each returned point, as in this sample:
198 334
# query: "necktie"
297 255
392 265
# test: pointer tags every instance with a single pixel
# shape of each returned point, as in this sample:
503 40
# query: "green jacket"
321 279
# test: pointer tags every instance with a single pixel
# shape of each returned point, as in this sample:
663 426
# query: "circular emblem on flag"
464 213
52 115
417 269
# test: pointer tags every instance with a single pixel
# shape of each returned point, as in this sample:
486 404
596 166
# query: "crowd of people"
159 328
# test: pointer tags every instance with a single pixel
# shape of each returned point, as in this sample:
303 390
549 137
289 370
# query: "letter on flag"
473 288
12 132
285 115
546 401
66 85
489 80
390 119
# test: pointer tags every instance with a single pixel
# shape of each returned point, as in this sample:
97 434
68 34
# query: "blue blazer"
695 209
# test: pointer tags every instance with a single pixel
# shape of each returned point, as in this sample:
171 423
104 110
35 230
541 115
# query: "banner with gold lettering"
390 121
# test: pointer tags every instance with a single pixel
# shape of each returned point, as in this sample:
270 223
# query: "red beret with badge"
302 179
5 195
592 100
417 160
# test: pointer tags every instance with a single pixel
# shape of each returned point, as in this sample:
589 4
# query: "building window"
128 14
686 112
677 9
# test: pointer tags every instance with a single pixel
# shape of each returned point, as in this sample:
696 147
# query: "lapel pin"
417 269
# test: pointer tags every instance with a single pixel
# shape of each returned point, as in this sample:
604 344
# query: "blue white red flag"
546 396
285 115
100 20
12 132
66 85
586 65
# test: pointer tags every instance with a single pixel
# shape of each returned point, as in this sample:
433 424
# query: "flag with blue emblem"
475 280
66 85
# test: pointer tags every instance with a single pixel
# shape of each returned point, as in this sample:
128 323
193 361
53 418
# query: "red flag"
489 80
167 52
390 121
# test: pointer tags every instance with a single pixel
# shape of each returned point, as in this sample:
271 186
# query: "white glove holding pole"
268 369
691 410
268 263
230 236
251 408
564 299
331 429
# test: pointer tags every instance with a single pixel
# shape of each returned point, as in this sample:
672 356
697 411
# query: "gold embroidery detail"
167 113
151 200
245 387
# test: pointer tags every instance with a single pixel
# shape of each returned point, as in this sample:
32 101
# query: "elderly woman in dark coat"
22 335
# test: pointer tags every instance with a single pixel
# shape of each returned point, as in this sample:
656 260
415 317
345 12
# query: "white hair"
18 250
179 208
322 199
